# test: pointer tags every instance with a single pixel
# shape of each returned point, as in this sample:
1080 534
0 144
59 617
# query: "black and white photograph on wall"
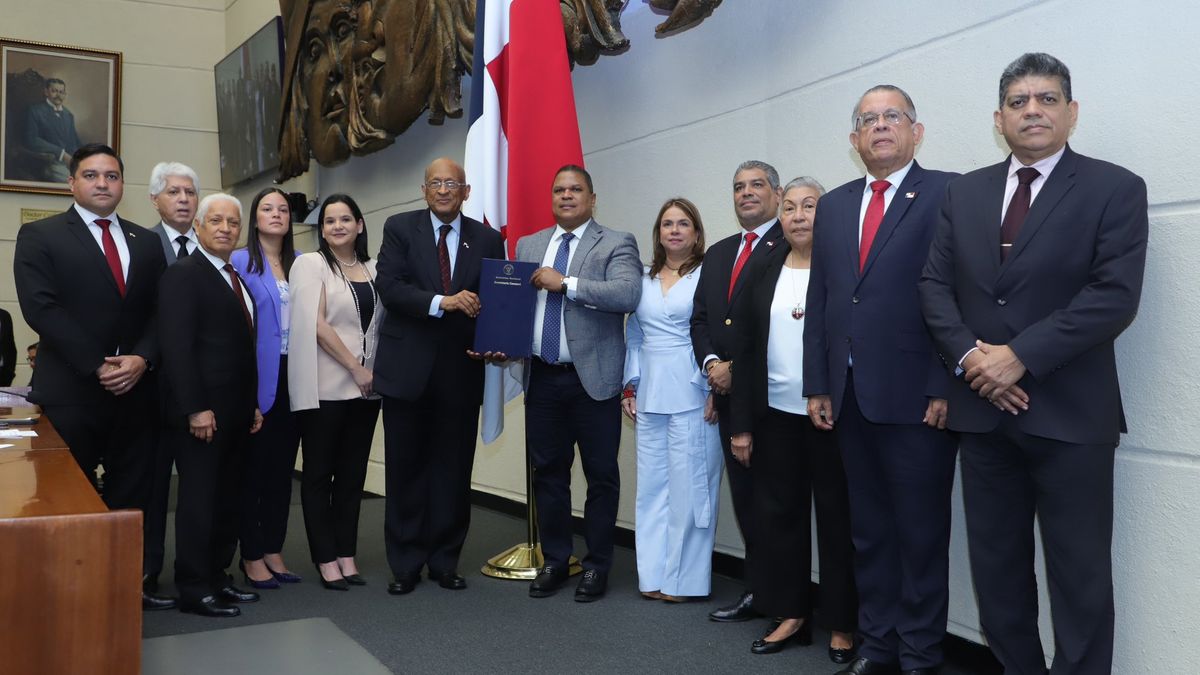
248 96
53 99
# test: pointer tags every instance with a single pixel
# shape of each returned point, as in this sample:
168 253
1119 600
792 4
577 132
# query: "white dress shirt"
539 312
118 235
1044 167
759 233
173 235
895 178
785 343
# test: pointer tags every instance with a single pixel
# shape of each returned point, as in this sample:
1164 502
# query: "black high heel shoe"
255 583
802 637
335 585
842 655
284 577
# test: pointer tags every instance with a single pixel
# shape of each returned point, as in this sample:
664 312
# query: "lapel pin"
910 195
770 243
466 245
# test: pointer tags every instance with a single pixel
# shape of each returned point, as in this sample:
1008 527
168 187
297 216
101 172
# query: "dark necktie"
552 321
182 252
741 262
444 257
1018 208
871 221
110 253
237 290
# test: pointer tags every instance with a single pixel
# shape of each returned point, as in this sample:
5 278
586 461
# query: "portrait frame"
90 111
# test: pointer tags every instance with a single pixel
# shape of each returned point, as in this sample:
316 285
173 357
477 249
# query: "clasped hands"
993 371
119 374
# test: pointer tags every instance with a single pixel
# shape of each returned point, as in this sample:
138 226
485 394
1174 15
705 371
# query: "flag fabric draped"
523 127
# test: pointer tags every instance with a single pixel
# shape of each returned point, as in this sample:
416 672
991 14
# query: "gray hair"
804 181
1039 64
772 174
910 107
208 201
164 170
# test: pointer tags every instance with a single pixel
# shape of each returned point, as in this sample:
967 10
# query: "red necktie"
871 222
110 254
741 261
444 258
1018 208
237 290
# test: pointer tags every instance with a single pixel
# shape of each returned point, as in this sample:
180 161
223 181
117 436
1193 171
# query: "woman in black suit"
791 460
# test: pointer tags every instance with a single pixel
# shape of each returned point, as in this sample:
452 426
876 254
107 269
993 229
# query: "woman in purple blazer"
266 490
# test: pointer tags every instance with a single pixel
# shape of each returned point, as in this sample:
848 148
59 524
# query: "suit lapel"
769 241
906 194
993 207
848 229
85 239
586 244
136 261
1058 184
231 298
468 251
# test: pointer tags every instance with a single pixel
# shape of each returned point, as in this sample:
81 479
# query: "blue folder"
507 301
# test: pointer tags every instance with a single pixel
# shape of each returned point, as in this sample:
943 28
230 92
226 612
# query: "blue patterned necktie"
552 322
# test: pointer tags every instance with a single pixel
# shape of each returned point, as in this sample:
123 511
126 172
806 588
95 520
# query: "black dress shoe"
209 606
864 666
153 601
449 580
802 637
742 610
592 586
841 655
355 580
548 581
235 594
404 583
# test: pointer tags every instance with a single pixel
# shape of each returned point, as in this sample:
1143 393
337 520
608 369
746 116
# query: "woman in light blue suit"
267 471
678 448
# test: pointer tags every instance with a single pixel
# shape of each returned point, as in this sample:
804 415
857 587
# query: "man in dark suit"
728 265
428 280
50 132
590 277
173 191
87 282
1036 269
871 370
208 362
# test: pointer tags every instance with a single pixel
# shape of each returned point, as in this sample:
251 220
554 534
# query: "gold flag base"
521 562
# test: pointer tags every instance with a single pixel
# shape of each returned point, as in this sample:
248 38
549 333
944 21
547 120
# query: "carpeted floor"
493 625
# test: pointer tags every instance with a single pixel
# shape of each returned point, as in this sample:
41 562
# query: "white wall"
676 115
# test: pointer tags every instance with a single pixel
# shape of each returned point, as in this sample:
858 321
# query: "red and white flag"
523 127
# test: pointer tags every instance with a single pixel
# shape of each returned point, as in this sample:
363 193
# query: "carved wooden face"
324 57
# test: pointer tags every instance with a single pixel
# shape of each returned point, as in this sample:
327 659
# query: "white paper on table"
17 433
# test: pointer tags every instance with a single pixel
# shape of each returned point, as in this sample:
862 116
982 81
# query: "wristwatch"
563 289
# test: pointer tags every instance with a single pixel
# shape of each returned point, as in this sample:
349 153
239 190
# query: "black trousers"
266 490
1008 477
119 433
559 414
206 515
336 445
430 451
741 488
899 478
154 524
795 464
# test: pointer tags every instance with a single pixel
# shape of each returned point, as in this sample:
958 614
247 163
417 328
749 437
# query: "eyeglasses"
871 120
437 184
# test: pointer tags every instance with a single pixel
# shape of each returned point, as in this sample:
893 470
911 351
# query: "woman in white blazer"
334 330
678 447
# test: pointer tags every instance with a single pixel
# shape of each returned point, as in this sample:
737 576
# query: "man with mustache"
872 375
728 265
50 131
1036 269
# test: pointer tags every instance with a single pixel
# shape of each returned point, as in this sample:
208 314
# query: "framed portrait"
248 104
53 99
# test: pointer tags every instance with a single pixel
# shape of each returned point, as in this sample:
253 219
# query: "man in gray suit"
589 279
174 190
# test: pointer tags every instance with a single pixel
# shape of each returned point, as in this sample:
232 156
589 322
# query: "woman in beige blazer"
334 330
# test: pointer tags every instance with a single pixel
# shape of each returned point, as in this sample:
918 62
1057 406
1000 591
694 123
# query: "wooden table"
70 569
